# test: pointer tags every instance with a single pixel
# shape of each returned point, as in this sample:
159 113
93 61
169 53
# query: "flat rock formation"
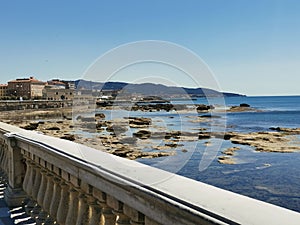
242 109
226 160
279 142
115 137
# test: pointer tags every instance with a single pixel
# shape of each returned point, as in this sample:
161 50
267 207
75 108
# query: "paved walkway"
5 218
11 216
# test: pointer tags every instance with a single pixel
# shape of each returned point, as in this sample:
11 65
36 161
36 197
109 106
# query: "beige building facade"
58 93
26 88
59 90
3 91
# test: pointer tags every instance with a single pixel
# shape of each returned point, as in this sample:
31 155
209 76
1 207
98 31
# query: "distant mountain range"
151 89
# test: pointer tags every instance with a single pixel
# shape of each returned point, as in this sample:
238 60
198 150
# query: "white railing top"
194 196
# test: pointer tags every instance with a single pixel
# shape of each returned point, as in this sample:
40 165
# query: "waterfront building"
56 83
26 88
59 90
3 91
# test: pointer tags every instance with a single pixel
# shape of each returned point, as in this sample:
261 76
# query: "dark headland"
150 88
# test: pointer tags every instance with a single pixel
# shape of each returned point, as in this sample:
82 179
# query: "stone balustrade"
61 182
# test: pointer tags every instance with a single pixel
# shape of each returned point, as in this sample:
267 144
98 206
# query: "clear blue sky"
253 47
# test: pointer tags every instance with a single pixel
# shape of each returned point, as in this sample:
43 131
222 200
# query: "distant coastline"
151 88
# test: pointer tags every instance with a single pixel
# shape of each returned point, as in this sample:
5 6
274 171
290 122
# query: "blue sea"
270 177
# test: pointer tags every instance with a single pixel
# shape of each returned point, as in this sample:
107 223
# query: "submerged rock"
135 122
53 128
226 160
202 107
153 107
128 140
142 134
242 108
70 137
266 141
31 126
286 130
231 151
117 129
99 115
85 119
210 116
203 135
244 105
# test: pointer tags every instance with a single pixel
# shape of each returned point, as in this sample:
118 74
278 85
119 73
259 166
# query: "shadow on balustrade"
12 216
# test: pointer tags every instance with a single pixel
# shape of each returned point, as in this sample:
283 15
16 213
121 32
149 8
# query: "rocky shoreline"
273 141
110 135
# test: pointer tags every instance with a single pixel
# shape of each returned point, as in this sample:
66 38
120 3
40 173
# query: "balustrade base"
14 197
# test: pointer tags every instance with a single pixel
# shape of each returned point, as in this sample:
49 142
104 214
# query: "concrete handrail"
88 186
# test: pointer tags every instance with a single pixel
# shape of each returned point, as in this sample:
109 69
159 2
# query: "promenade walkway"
11 216
5 215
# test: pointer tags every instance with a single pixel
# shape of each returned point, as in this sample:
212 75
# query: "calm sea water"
276 112
271 177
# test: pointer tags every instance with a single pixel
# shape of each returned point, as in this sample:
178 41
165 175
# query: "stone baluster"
30 179
48 193
73 206
1 155
83 210
136 218
117 207
94 211
37 182
63 205
55 198
107 216
122 219
42 189
48 198
5 162
32 208
40 198
27 174
28 183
